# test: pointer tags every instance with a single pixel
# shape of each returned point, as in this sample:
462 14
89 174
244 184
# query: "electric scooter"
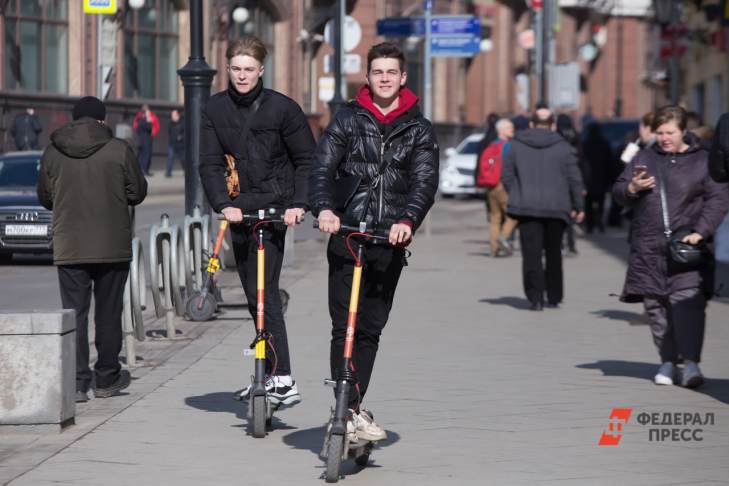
260 408
337 446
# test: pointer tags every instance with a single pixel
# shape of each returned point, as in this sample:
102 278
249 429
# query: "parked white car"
457 173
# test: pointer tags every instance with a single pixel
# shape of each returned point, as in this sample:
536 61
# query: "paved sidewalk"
472 387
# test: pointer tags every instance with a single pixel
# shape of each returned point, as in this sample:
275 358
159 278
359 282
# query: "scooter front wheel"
259 416
335 451
198 310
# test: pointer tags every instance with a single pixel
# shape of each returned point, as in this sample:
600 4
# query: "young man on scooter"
382 141
272 143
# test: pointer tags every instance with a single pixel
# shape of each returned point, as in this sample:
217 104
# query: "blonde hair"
247 46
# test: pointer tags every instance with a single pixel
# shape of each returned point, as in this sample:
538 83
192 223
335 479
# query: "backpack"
489 165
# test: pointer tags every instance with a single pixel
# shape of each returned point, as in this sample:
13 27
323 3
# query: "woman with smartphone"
674 300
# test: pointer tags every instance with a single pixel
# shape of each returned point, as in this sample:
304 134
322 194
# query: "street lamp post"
197 77
337 102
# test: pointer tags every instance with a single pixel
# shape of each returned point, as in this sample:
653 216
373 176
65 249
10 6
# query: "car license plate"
26 230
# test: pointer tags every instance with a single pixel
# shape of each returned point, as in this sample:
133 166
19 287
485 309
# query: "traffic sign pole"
427 111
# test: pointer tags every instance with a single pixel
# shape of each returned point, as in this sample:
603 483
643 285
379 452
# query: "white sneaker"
665 374
281 389
284 391
366 428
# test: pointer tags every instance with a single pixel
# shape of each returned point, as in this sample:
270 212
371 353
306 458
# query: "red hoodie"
407 101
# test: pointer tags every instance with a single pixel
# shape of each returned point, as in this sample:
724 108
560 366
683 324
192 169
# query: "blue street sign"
455 25
401 26
449 25
462 46
428 5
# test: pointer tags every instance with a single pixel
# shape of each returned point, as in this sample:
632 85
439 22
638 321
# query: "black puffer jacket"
355 143
273 166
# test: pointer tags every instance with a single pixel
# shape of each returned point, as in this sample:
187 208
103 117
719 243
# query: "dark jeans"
594 212
677 324
382 268
245 250
145 157
107 280
172 154
542 236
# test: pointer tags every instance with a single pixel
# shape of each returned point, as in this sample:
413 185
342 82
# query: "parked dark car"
25 225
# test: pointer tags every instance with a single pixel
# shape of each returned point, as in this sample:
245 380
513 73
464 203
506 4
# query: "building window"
36 45
150 51
260 24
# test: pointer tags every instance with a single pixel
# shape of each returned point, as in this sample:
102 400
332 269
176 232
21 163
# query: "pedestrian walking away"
673 199
25 130
146 126
566 128
541 176
267 135
176 141
86 167
501 225
377 164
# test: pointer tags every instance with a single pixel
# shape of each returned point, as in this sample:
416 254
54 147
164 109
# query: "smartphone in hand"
640 171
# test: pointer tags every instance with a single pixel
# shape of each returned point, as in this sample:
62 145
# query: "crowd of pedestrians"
542 179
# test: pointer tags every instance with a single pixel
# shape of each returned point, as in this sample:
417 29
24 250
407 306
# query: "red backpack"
489 165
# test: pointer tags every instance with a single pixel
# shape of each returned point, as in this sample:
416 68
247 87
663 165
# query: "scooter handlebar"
345 229
273 215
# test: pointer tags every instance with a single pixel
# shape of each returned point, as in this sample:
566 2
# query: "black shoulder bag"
682 257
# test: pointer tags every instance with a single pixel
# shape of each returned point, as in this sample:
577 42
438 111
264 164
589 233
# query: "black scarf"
245 99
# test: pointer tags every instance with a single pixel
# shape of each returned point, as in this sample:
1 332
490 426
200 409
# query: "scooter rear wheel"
198 312
335 450
259 416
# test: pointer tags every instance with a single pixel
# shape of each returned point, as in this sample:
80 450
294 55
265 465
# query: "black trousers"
245 249
106 281
542 236
382 268
594 212
677 324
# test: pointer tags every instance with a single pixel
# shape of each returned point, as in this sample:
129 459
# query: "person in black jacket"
273 160
25 130
540 174
176 141
89 179
719 154
383 138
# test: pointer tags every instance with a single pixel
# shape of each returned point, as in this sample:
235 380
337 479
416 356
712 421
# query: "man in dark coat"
25 130
719 155
381 138
89 179
176 141
541 175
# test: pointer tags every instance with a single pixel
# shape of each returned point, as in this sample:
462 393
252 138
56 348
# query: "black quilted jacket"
273 165
355 143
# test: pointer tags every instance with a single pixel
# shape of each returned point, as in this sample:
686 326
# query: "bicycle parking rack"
135 301
167 272
196 238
